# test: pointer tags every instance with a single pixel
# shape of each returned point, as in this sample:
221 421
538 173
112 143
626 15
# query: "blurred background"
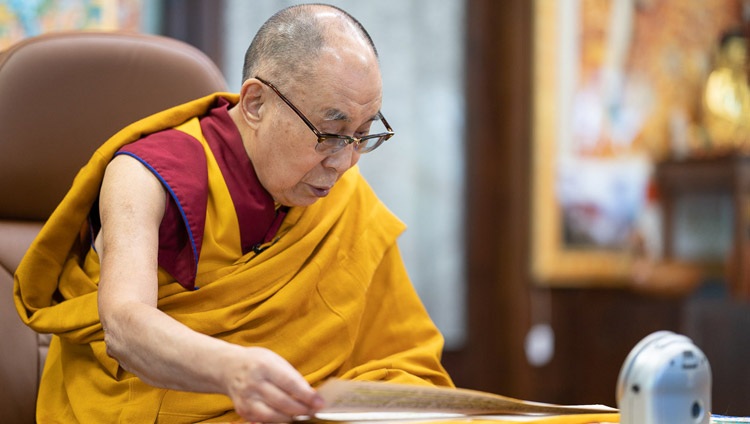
574 174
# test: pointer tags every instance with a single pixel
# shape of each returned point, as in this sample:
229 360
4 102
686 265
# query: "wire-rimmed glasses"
329 144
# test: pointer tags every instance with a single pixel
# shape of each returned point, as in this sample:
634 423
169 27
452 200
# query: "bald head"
289 44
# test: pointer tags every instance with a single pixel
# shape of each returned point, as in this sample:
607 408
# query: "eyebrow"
337 115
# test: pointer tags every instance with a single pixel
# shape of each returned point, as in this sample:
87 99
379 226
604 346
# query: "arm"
152 345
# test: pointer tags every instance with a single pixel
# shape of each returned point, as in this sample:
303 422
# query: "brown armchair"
61 96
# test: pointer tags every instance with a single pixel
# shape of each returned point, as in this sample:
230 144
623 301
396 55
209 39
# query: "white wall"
419 172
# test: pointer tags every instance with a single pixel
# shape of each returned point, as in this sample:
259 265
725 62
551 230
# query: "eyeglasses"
329 144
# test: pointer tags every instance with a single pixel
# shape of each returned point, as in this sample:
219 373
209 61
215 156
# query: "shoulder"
169 148
176 158
129 187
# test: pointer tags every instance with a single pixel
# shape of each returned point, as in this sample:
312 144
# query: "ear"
252 98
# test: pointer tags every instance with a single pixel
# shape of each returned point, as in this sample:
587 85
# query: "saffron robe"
331 296
177 157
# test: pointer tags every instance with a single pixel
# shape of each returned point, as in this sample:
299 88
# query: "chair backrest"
61 96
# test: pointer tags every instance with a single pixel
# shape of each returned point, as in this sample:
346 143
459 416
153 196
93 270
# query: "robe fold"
330 294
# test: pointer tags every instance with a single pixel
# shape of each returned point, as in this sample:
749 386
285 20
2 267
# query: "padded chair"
61 96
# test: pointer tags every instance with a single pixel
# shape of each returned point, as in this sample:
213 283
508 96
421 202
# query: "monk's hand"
265 388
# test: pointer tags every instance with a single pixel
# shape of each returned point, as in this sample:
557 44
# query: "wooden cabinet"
729 175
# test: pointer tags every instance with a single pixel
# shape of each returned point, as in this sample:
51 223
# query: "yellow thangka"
331 296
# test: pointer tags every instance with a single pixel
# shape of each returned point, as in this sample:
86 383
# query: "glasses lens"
374 137
377 134
370 144
331 145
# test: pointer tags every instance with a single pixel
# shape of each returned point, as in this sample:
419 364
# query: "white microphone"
665 379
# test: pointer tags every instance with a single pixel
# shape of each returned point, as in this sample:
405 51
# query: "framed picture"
617 87
28 18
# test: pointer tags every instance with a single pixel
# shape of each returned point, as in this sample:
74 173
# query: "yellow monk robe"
331 296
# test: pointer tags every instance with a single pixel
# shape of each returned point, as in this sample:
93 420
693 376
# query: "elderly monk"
218 260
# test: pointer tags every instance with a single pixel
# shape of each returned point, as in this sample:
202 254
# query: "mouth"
321 191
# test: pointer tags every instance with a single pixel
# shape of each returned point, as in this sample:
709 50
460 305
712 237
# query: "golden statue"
726 100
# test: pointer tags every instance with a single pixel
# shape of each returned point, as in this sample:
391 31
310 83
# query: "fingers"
269 403
292 386
269 389
257 411
285 403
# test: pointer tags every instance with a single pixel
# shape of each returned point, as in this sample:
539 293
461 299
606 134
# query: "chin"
309 202
306 201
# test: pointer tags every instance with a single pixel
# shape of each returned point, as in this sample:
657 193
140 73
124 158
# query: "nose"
342 160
